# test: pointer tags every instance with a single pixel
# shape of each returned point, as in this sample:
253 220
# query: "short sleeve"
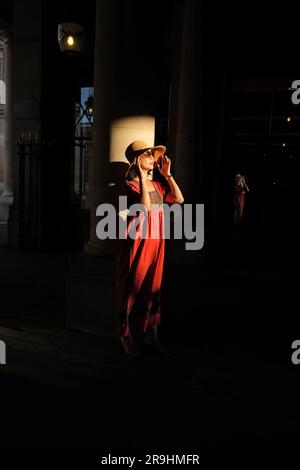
132 192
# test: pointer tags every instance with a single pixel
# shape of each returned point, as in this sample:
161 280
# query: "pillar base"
90 295
92 248
104 248
7 193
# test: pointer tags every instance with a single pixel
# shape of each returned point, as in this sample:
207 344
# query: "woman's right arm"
246 187
144 195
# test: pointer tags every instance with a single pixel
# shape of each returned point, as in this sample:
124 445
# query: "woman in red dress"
141 257
240 189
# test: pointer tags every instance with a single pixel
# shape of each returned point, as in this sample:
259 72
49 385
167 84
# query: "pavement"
229 382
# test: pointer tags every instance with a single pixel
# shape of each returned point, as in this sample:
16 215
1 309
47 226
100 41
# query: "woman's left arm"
175 195
245 185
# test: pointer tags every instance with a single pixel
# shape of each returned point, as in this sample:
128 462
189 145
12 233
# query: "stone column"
8 117
27 43
121 115
196 118
186 140
123 111
184 114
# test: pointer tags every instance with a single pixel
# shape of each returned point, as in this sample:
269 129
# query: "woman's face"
147 160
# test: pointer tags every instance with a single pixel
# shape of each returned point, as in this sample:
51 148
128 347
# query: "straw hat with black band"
138 147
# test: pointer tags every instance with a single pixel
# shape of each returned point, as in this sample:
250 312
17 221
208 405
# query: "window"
83 145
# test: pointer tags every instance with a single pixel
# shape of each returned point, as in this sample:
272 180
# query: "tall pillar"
122 111
185 113
196 118
8 117
186 139
26 83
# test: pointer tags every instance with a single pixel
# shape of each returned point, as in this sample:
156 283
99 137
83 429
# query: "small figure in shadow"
240 190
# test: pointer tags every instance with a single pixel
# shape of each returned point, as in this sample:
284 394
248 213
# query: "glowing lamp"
70 38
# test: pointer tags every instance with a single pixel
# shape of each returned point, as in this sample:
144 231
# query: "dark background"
230 322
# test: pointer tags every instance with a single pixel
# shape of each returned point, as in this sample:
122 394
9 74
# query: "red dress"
140 264
239 199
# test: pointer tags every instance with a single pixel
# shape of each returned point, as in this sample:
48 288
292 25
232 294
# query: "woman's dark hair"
131 174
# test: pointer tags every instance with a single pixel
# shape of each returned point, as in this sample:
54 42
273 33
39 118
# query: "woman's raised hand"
137 163
164 166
